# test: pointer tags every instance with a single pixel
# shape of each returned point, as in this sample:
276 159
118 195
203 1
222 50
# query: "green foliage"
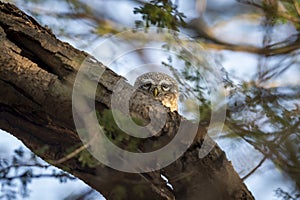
106 119
86 159
161 13
139 190
119 192
42 150
115 134
282 12
105 28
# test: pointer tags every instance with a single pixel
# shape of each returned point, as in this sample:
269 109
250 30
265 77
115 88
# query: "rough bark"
36 81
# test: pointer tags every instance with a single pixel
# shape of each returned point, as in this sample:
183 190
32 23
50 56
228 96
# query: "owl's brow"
147 81
164 82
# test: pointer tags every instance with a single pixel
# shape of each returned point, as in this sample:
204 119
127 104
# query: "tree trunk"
37 75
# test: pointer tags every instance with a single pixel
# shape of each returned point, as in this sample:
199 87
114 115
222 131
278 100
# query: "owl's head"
161 86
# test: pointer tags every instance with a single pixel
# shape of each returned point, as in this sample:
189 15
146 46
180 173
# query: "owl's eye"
165 87
146 86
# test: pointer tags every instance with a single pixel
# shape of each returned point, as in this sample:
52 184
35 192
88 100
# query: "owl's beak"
155 91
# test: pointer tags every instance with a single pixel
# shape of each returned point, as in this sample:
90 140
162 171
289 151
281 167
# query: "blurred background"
254 45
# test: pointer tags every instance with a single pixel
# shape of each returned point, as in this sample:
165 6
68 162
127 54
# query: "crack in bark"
21 91
30 49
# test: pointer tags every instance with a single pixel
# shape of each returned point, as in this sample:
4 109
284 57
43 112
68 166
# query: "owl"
161 86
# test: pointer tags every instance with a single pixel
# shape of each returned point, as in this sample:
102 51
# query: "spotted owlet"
161 86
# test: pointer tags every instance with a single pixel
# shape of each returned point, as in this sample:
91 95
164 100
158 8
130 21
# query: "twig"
252 3
23 165
297 7
71 155
38 176
255 168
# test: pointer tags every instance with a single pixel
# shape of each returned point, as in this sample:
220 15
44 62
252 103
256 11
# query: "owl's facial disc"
160 86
